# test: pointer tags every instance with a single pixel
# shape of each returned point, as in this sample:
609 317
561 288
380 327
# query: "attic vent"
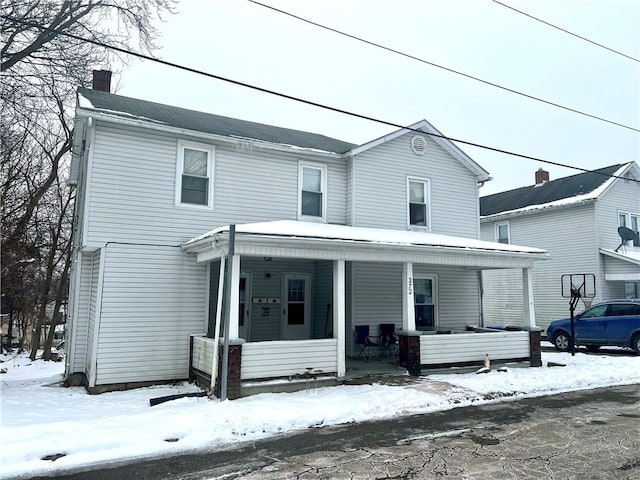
418 144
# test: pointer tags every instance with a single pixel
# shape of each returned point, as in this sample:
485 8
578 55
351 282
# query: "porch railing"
273 359
288 358
472 347
202 354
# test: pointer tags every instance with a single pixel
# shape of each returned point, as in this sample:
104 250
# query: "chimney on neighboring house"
102 80
542 176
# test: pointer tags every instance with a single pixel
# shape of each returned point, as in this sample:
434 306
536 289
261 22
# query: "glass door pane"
424 306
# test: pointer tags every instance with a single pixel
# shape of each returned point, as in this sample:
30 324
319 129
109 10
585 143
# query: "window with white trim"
425 305
418 199
312 192
194 174
502 233
629 220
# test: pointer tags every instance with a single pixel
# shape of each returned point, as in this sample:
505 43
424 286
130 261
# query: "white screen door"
295 307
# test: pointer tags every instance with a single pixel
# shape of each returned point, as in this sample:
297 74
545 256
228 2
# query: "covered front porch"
298 289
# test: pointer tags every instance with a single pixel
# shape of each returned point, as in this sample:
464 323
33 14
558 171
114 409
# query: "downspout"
216 331
227 314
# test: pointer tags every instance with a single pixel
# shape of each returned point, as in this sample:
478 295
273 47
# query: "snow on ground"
40 418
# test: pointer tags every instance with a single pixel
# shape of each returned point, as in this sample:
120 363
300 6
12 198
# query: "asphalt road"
583 435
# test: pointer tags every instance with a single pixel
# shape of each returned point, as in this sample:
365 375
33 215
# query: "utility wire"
567 31
448 69
296 99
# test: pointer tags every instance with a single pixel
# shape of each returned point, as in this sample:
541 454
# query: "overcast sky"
249 43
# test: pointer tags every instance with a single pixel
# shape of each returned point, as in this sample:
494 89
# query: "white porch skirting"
287 358
472 347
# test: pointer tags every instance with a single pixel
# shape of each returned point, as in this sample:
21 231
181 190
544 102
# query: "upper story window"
418 196
629 220
194 174
312 187
502 233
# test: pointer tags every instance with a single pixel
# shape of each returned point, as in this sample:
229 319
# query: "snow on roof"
293 228
84 102
574 200
629 254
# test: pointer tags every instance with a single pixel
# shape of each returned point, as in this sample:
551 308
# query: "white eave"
626 254
290 238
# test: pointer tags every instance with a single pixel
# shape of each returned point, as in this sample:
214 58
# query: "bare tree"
41 69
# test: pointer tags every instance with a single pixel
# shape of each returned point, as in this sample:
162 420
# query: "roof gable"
437 137
169 116
582 186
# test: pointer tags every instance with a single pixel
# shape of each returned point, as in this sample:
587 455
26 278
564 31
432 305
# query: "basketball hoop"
586 301
577 286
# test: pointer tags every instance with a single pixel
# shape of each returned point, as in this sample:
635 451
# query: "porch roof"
290 238
627 264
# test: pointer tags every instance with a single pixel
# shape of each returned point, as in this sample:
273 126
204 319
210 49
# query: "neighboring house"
576 220
328 235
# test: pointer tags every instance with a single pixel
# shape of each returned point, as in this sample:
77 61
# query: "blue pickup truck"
614 322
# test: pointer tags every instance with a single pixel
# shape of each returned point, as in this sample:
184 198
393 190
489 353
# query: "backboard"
578 285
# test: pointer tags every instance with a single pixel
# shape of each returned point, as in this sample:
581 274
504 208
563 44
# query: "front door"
424 303
296 307
244 309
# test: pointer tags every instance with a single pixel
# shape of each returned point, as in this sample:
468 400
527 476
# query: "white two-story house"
312 235
576 220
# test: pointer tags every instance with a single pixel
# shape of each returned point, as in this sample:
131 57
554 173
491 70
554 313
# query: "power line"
291 97
567 31
448 69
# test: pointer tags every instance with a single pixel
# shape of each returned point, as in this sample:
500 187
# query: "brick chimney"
542 176
102 80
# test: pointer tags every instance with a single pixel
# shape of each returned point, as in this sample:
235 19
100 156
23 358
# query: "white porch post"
408 310
339 306
527 291
234 328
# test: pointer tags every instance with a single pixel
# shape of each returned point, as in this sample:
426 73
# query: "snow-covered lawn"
40 418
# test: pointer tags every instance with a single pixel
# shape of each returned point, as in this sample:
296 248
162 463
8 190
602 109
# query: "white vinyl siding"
195 166
88 267
380 188
267 278
133 188
457 295
472 347
280 359
94 310
153 298
555 231
377 296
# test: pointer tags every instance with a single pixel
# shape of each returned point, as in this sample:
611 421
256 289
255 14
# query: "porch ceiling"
293 239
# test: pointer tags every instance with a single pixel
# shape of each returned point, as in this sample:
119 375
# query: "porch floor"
385 369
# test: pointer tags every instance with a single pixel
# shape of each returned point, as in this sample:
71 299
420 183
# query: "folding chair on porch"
388 339
367 348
